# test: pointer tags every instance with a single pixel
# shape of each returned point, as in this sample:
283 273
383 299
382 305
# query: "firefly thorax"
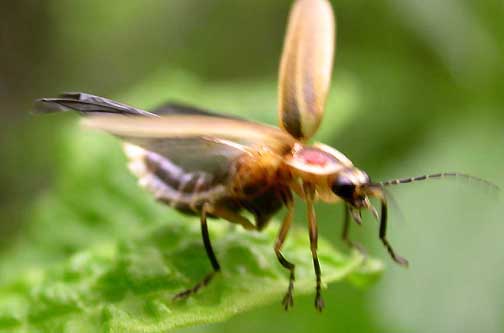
331 172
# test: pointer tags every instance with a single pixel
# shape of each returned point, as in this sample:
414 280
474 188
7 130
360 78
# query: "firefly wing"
86 104
306 66
186 160
182 154
188 151
173 108
92 104
190 148
171 129
232 132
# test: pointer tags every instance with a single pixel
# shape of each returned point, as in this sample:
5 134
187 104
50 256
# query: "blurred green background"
418 88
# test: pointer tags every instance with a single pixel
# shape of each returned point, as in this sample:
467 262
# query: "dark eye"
343 188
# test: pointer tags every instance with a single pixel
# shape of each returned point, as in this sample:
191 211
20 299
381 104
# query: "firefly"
219 166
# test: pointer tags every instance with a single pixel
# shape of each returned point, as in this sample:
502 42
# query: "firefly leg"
346 230
383 232
313 231
211 256
288 300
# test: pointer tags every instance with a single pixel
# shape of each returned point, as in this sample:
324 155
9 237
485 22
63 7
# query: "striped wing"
306 67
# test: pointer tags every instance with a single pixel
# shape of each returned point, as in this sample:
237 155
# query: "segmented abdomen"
181 189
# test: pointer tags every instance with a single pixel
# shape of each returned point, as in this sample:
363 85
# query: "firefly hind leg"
313 231
383 232
211 256
346 231
288 300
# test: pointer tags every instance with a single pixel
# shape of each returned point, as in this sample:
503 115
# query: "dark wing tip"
55 104
47 105
86 104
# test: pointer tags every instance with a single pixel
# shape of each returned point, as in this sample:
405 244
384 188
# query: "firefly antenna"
439 176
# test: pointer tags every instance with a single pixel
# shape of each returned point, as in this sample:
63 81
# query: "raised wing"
306 67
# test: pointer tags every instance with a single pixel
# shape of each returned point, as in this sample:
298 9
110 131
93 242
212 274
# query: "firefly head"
353 186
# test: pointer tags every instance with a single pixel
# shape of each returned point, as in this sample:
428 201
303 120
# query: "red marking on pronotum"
315 157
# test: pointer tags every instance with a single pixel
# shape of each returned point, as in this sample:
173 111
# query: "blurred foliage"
418 88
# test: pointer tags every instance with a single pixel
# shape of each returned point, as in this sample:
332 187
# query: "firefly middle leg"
309 191
288 300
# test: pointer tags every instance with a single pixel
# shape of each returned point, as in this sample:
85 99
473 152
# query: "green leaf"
99 254
127 286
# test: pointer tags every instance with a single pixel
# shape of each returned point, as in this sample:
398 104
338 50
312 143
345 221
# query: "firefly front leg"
346 231
211 256
383 232
288 300
309 191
